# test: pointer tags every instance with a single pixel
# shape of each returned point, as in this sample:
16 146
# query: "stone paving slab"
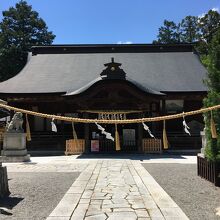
116 189
58 218
50 167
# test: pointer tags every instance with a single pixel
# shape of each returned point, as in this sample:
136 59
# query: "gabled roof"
70 68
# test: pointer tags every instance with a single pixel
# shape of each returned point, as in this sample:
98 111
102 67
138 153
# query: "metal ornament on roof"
113 71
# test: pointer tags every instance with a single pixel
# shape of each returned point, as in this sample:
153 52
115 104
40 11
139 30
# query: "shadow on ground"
8 202
129 156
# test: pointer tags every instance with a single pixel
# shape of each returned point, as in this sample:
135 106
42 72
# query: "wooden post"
163 110
86 134
3 181
140 136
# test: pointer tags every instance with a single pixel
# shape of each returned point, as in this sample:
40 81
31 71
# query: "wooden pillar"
45 124
163 110
140 136
86 134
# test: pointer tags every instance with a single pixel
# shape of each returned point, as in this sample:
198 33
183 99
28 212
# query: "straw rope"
104 121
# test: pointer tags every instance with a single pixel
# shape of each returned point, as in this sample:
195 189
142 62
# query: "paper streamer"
186 127
53 125
107 134
147 129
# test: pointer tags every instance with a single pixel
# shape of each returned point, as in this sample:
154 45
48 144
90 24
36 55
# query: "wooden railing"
75 146
208 170
152 145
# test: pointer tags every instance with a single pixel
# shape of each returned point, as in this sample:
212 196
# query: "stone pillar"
204 142
4 191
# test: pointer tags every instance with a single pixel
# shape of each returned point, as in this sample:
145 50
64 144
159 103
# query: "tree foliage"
205 32
191 29
168 33
213 98
208 24
20 29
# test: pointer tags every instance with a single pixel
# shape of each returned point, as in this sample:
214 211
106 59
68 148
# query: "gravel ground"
35 195
196 197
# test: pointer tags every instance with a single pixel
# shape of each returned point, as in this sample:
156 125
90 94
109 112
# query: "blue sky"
111 21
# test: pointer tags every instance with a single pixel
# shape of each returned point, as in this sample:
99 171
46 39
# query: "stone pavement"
49 164
116 189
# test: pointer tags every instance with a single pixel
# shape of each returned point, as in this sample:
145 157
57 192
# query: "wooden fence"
208 170
152 145
75 146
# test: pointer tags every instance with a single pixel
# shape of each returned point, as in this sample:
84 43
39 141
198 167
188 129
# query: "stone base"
14 152
14 141
4 191
14 148
14 159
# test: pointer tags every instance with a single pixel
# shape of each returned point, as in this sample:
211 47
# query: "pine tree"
189 29
20 29
168 33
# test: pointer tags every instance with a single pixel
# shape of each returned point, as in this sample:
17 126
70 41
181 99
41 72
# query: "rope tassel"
117 139
165 141
28 131
74 132
213 128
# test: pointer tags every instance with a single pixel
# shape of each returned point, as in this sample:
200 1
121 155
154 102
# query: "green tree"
168 33
213 98
208 25
20 29
189 29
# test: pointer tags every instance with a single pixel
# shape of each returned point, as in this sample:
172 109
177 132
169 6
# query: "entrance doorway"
100 144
